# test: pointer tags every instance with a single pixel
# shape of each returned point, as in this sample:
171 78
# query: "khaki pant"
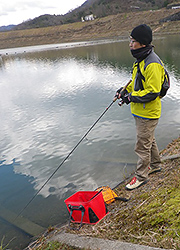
146 147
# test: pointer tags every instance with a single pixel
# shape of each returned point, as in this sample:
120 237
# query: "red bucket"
86 207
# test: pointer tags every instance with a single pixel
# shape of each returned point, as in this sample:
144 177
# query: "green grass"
3 246
55 245
152 215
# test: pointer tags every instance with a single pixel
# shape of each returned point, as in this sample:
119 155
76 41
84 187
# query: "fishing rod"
115 98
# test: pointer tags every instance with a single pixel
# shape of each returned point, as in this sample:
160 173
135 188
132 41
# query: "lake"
50 96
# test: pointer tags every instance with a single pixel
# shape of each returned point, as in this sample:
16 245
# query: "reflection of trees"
1 62
5 59
169 51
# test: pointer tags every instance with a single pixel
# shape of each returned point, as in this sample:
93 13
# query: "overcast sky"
17 11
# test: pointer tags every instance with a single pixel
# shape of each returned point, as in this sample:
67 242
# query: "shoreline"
68 45
149 220
47 47
109 27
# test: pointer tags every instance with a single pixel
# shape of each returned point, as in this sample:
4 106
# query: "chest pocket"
138 80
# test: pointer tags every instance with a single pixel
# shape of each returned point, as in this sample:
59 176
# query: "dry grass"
152 215
107 27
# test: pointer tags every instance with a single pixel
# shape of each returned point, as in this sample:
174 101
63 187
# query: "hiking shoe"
154 170
135 183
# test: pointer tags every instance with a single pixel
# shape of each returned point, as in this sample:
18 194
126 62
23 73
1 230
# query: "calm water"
50 97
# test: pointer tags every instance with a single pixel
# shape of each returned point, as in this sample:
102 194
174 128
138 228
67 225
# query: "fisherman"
144 95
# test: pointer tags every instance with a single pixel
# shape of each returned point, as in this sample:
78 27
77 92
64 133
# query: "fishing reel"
120 103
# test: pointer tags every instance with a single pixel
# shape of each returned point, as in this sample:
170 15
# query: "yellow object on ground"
108 194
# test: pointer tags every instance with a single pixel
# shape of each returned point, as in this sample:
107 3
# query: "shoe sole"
155 171
128 189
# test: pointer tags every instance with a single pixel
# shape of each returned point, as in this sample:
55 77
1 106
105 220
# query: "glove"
126 98
120 92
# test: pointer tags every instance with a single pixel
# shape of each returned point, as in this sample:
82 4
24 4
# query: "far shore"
111 27
67 45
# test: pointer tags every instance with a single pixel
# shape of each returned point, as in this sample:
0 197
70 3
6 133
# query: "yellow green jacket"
146 86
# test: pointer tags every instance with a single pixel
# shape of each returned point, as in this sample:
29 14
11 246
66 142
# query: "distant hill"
99 8
116 26
7 28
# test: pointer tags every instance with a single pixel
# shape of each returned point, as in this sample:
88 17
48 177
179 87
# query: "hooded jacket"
147 79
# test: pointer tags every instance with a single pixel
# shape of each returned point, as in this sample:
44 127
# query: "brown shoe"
154 170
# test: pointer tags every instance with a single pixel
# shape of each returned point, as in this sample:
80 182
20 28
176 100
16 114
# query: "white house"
176 7
88 18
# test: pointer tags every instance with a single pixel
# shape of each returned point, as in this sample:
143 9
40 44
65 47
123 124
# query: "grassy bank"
151 217
107 27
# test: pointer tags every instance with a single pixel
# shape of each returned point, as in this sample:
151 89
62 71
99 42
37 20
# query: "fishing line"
115 98
65 159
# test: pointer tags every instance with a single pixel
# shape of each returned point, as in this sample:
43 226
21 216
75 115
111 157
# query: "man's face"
133 44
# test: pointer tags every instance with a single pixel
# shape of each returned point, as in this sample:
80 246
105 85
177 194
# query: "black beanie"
142 34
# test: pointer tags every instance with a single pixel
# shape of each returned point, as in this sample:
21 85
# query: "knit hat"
142 34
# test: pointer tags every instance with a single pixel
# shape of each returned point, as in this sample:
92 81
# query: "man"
144 95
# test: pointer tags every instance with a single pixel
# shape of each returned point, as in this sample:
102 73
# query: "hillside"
113 26
99 8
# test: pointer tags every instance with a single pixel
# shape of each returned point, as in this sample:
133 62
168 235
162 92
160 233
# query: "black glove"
119 91
126 98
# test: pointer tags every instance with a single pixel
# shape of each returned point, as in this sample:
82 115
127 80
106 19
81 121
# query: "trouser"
146 147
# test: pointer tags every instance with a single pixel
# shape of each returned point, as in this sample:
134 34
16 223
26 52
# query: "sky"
18 11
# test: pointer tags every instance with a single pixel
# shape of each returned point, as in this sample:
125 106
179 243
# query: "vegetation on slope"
151 217
99 8
113 26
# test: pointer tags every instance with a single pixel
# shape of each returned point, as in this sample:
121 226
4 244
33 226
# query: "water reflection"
42 109
49 99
